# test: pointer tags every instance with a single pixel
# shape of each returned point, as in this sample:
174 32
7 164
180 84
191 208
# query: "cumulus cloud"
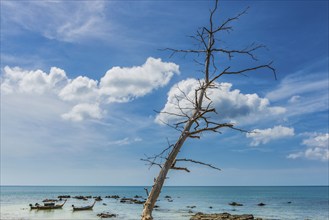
85 95
317 148
230 103
17 80
124 84
84 110
79 89
266 135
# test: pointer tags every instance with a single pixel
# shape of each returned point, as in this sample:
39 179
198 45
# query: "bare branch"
166 149
198 62
226 72
185 96
151 162
228 28
194 136
214 127
147 191
174 51
266 66
202 37
212 14
247 51
180 168
198 162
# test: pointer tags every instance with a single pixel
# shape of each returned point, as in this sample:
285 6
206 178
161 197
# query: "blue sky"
80 81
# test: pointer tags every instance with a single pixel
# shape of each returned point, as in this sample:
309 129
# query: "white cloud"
302 92
123 84
84 110
125 141
317 148
266 135
298 83
17 80
80 89
85 95
230 104
61 20
294 99
318 140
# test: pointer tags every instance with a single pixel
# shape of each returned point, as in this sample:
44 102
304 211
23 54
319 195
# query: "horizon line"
15 185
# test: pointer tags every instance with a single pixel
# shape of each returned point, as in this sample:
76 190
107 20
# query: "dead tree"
195 118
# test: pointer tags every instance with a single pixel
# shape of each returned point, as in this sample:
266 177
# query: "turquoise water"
310 202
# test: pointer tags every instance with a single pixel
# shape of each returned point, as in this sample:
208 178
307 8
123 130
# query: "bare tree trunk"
156 189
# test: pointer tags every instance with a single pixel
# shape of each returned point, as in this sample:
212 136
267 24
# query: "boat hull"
47 207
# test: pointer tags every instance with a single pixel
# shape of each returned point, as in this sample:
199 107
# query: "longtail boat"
89 207
47 206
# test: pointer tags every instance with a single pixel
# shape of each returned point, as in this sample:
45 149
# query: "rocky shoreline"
222 216
137 199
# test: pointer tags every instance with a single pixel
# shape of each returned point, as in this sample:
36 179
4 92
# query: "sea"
175 202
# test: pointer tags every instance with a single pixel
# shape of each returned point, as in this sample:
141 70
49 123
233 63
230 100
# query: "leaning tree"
196 117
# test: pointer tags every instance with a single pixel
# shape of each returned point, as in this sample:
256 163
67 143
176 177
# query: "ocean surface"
309 202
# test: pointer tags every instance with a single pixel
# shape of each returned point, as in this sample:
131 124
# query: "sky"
82 83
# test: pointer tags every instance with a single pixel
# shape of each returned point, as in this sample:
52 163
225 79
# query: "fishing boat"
47 205
88 207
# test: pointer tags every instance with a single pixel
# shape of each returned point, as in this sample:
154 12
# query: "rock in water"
107 215
235 204
222 216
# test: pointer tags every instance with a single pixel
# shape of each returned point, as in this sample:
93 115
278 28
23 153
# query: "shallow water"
311 202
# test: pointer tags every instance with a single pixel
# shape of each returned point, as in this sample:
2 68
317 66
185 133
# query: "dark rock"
104 204
80 197
98 198
107 215
235 204
167 197
289 202
113 197
210 207
191 207
222 216
64 196
261 204
131 201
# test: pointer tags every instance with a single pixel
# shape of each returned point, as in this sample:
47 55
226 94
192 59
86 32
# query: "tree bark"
156 189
